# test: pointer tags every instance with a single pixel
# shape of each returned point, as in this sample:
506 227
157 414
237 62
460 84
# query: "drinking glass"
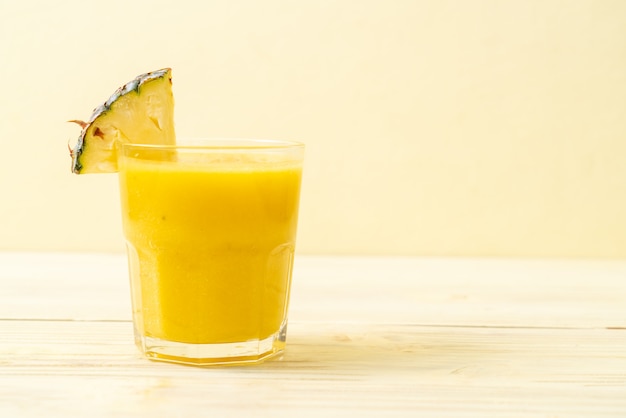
210 229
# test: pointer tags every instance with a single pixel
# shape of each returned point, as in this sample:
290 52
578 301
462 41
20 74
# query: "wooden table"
368 337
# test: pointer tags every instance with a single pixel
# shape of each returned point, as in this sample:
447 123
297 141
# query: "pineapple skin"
91 133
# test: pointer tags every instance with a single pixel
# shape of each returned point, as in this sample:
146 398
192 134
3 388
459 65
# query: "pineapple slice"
140 112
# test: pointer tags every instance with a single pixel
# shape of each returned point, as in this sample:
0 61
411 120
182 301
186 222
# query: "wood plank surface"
367 337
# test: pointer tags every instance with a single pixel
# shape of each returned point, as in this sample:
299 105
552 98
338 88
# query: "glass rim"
209 143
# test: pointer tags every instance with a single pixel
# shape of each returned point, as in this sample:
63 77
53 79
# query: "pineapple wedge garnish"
140 112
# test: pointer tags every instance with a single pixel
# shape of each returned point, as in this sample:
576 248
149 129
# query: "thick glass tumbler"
210 227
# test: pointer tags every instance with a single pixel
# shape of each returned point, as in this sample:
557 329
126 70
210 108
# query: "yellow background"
432 127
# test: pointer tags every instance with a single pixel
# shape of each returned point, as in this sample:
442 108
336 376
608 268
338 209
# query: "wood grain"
368 337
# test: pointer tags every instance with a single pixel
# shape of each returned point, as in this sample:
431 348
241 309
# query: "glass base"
239 353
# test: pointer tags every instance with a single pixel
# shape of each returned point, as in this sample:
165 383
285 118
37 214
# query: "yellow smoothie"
211 245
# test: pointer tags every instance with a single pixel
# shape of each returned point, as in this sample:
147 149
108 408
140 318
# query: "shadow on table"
398 347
